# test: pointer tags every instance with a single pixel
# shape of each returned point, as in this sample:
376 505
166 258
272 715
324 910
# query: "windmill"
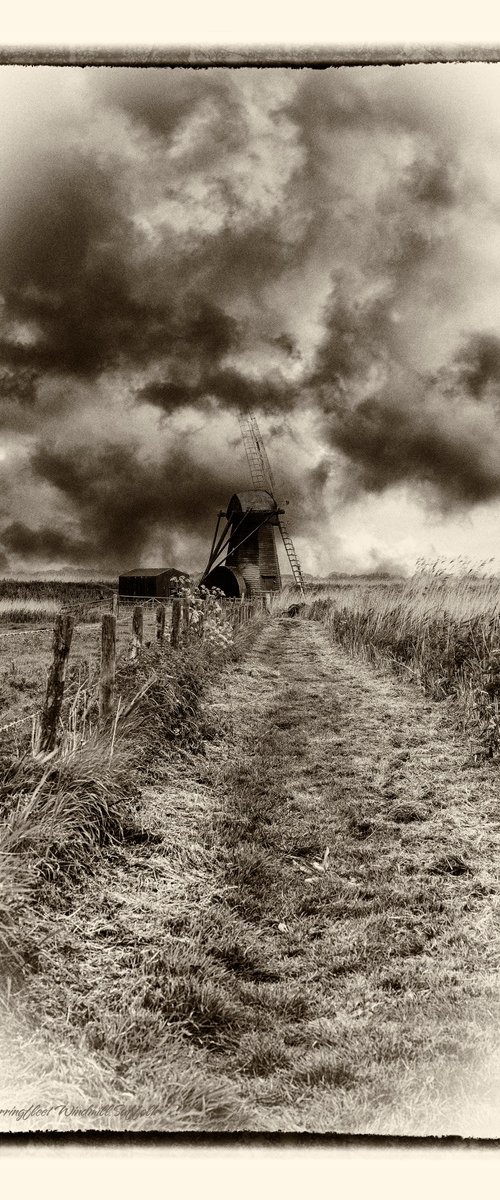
243 558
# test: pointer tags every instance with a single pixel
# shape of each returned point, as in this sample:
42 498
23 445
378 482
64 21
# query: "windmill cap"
257 501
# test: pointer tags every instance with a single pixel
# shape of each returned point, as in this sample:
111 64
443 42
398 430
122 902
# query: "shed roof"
258 501
152 571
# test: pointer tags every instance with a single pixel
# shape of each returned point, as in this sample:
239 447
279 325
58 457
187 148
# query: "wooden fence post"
185 617
114 604
201 619
160 624
61 643
108 669
176 620
137 631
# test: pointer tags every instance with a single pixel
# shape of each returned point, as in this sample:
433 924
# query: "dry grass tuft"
439 630
262 1054
59 810
283 953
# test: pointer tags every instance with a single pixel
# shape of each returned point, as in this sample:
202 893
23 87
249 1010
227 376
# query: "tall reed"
438 629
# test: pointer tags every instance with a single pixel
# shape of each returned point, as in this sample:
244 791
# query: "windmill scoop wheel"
243 558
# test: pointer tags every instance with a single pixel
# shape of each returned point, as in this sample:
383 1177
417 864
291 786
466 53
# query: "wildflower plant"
208 613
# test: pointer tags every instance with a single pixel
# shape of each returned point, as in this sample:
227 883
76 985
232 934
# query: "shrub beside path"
299 934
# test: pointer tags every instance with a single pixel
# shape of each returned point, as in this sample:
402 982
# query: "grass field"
273 905
57 811
34 601
441 631
26 651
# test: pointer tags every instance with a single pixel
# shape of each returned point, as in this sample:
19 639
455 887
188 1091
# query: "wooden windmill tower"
244 559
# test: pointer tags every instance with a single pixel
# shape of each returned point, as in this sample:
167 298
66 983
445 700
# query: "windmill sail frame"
262 477
244 555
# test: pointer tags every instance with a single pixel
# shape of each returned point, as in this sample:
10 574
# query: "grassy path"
302 936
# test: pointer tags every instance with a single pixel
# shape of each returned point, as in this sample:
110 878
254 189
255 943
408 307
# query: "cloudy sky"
322 247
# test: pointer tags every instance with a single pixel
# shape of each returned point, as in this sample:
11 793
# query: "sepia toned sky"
320 246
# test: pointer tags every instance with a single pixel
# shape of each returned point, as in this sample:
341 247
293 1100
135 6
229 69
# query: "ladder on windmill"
292 555
262 477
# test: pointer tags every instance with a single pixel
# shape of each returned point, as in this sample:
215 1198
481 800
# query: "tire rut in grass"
383 998
232 969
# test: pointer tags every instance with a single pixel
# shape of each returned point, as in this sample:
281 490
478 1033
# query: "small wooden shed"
149 582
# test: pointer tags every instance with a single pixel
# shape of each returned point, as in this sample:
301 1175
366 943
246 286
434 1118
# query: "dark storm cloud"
45 542
390 439
287 345
18 398
305 493
433 184
78 274
354 101
63 271
122 500
405 426
161 242
86 291
18 386
341 104
201 335
476 364
74 271
230 387
356 333
160 101
392 423
238 262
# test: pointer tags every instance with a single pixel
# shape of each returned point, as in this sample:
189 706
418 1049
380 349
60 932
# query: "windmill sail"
260 467
260 470
243 559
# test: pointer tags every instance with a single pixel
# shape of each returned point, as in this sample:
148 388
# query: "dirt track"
382 855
